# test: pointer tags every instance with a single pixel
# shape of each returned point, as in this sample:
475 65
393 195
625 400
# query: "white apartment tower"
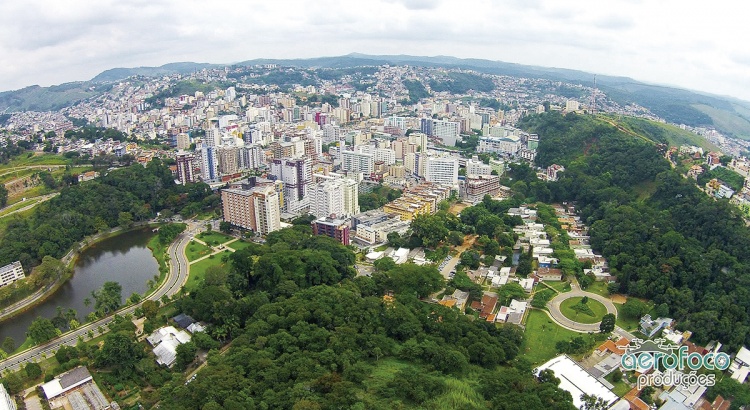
447 131
441 170
357 162
209 163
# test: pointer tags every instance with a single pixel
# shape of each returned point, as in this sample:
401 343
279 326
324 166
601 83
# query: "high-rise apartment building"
327 199
476 167
357 162
447 131
296 175
441 170
185 170
255 208
209 164
229 160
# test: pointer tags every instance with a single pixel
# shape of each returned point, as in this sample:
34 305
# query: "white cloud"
685 43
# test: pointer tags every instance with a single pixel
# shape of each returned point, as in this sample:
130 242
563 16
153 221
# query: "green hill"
665 133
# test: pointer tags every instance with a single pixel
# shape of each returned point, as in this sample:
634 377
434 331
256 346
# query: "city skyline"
687 45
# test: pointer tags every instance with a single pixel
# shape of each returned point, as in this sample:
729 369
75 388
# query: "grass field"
198 270
561 287
214 238
621 388
18 205
196 250
566 307
239 245
600 288
541 335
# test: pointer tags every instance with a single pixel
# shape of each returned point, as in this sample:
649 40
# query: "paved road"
557 316
176 278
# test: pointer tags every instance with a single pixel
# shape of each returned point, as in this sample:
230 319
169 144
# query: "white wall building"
476 167
448 131
441 170
11 273
357 162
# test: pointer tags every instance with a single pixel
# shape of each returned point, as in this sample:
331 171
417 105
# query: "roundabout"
566 310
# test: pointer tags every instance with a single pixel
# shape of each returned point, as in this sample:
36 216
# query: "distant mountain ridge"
729 115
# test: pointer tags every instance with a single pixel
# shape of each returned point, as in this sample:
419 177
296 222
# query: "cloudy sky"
695 45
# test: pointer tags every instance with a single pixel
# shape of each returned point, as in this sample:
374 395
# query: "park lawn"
198 270
38 190
195 250
561 287
239 245
44 159
541 335
214 238
600 288
566 307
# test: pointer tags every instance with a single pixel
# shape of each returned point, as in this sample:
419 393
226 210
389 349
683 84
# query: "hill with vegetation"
674 245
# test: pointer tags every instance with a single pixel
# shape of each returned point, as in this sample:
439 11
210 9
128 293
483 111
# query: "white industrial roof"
576 380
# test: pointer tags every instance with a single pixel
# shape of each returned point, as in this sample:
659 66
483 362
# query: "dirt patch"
456 208
619 299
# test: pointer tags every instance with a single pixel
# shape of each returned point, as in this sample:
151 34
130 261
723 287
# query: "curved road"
557 316
176 278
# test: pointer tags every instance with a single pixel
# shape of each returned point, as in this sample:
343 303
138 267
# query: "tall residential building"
183 141
357 162
209 163
256 208
11 273
252 157
339 197
327 199
229 160
441 170
6 401
447 131
387 155
296 175
185 171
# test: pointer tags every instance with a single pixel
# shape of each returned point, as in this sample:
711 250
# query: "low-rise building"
11 273
334 228
165 342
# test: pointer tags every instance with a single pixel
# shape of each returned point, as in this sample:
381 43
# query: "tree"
185 354
429 228
33 370
41 330
3 195
409 278
470 259
225 227
510 291
591 402
607 324
119 352
125 219
108 298
150 309
634 308
9 345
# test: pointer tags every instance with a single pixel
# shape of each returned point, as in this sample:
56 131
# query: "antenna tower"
593 98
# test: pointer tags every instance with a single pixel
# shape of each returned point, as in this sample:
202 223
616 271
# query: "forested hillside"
676 246
306 334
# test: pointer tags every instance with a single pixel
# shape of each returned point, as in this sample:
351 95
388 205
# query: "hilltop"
728 115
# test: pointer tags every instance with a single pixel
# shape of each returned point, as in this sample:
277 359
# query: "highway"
176 278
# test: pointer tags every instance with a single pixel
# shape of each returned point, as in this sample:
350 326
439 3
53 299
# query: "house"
165 342
651 327
617 347
457 300
740 366
549 274
182 320
486 306
511 314
719 403
527 284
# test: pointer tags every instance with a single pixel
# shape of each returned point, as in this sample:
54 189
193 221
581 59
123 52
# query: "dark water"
123 258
